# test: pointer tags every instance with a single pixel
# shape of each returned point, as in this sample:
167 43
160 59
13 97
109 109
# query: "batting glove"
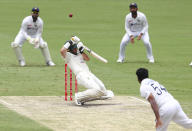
81 47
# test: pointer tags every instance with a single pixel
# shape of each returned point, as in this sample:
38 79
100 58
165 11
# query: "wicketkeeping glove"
30 40
36 42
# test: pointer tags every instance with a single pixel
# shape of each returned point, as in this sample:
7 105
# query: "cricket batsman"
31 30
75 57
136 25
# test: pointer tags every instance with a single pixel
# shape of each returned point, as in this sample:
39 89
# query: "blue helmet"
35 9
133 5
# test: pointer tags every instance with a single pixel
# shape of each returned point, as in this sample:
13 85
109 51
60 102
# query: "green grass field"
100 25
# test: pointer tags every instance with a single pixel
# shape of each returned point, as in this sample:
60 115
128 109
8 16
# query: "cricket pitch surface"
123 113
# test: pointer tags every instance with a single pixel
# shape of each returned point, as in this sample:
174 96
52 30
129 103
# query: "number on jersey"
158 88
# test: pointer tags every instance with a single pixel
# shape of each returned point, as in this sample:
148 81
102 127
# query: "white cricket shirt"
138 24
159 92
30 28
75 62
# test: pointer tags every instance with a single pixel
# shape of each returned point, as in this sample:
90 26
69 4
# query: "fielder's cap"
133 5
35 9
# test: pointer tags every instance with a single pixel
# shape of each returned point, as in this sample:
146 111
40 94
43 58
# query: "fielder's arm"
38 36
24 31
154 106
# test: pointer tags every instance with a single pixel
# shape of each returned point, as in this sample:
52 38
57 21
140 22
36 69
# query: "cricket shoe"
109 95
77 102
22 63
151 61
50 63
190 64
120 61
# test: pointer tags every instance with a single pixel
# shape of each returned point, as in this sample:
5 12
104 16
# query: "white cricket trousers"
95 87
173 111
125 40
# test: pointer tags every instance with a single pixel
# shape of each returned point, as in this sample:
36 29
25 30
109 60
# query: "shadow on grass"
30 65
87 105
134 62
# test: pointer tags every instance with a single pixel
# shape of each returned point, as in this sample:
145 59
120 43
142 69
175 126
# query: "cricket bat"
96 55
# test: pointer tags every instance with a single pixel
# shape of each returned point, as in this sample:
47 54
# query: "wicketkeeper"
75 57
31 30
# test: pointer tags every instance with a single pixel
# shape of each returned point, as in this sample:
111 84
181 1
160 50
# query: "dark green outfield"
100 25
11 121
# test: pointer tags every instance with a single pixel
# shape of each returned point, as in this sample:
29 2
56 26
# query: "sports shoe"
109 95
50 63
151 61
78 103
190 64
22 63
119 61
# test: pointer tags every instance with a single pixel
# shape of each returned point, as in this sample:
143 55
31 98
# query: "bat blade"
96 55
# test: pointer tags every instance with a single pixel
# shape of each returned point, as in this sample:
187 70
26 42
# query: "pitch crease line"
139 100
5 103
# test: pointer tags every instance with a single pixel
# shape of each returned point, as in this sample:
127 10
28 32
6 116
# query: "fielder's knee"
14 45
124 43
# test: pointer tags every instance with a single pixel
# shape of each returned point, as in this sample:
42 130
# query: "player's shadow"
34 65
87 105
136 62
29 65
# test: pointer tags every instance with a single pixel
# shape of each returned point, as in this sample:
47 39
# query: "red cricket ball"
70 15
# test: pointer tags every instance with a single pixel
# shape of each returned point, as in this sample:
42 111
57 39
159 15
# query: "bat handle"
89 50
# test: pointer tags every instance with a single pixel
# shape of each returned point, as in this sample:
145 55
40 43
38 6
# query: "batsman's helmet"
133 5
75 39
35 10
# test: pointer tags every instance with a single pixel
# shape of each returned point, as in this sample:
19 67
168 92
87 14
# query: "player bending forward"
136 25
165 107
31 30
73 53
